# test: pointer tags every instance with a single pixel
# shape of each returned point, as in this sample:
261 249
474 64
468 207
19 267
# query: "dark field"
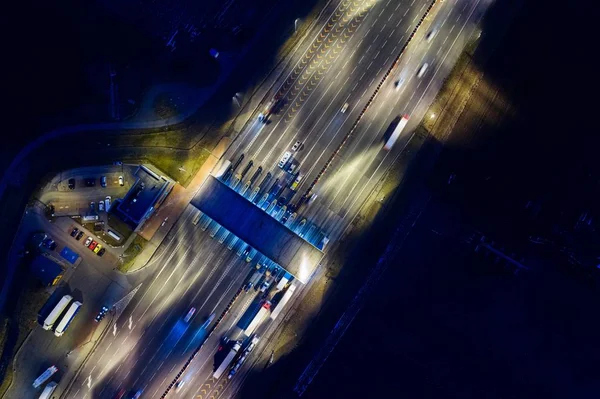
446 322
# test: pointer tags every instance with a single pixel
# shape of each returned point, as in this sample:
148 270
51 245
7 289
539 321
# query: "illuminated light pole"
296 24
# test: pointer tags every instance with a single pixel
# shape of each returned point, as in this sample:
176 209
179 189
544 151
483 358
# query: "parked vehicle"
121 181
284 159
88 241
92 245
101 314
71 184
45 376
74 232
67 319
107 202
54 315
227 361
101 252
103 181
98 248
79 235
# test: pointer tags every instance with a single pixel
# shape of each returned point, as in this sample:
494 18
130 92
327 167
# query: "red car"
93 245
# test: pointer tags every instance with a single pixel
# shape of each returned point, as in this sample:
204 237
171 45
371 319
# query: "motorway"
150 341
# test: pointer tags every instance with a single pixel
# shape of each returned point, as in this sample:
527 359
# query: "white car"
107 202
121 181
344 108
431 34
189 314
100 206
285 158
296 146
422 70
399 83
179 385
88 241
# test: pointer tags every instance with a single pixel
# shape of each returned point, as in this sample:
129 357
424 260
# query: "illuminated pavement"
151 341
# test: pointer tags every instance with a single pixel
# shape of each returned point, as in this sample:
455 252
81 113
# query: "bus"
48 390
57 311
68 317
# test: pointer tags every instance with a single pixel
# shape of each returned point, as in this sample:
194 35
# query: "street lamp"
296 24
236 100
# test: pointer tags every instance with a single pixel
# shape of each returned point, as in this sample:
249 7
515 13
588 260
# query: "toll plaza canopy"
255 227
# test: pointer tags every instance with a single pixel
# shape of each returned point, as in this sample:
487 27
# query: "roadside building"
46 271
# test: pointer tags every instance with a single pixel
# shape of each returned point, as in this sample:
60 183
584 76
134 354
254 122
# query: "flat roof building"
257 228
144 196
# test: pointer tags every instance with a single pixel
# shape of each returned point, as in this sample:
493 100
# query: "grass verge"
135 247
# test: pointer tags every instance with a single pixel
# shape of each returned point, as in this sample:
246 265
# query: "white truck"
47 392
227 361
57 311
44 377
265 309
396 133
283 301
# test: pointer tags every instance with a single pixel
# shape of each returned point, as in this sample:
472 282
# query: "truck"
44 377
56 312
227 361
284 300
396 133
258 319
242 358
47 392
68 317
254 279
284 280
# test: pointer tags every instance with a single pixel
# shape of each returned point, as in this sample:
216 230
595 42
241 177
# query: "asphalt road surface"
356 45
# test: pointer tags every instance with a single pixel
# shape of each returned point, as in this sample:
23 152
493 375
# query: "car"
344 108
285 158
88 241
90 182
107 202
103 181
399 83
137 395
296 182
312 198
92 206
296 146
121 181
92 245
79 235
422 70
101 252
101 314
265 285
121 393
431 34
100 206
248 286
179 385
292 166
74 232
98 248
247 250
71 184
117 163
189 314
50 244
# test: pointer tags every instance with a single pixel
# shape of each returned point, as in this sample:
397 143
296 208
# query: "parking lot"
77 200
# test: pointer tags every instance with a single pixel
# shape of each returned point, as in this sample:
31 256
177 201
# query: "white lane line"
414 108
339 7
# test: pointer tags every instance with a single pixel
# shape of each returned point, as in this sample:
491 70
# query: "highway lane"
197 275
175 250
454 30
465 17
